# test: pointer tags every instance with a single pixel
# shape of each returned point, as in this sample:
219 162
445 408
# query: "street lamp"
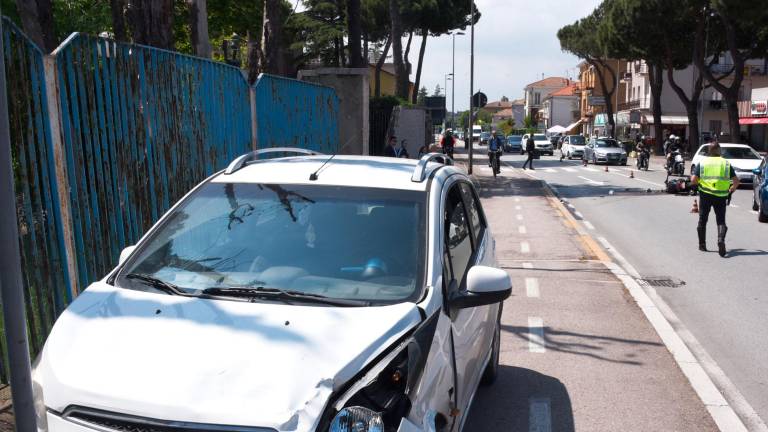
453 83
447 77
471 80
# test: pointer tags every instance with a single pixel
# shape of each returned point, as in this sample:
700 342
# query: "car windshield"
607 143
540 138
577 140
514 138
338 242
733 152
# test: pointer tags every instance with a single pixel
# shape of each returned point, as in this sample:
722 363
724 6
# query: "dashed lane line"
527 265
539 415
590 181
522 230
532 287
588 224
519 217
525 247
536 343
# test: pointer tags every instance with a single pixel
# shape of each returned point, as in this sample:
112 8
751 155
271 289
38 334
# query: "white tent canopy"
572 125
557 129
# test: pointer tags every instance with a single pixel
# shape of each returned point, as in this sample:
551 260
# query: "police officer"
716 180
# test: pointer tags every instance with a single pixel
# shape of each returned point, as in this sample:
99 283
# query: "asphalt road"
722 302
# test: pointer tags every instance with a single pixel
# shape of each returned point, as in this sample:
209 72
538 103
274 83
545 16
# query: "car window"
739 153
539 137
339 242
607 143
577 140
475 217
457 235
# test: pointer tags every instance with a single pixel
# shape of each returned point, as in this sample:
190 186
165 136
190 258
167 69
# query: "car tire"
491 371
761 216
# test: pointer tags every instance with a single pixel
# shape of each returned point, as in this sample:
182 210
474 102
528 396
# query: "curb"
656 312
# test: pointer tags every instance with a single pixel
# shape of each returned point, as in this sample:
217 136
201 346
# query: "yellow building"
388 84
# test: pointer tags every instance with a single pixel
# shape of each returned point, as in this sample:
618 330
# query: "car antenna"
314 176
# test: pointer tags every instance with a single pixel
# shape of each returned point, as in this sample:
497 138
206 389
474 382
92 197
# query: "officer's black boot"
702 230
721 230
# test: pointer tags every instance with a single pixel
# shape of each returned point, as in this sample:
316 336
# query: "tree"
740 29
37 21
529 122
421 96
581 39
401 74
438 91
198 23
506 127
379 65
355 30
151 22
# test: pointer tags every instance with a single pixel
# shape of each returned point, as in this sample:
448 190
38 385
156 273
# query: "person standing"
530 149
402 152
390 149
716 181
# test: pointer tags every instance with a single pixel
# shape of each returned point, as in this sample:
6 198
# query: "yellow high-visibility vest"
715 176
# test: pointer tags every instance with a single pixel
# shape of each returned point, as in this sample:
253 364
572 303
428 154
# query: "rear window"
515 138
577 140
733 152
539 137
607 143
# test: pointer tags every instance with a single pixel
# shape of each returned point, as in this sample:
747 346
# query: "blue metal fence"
292 113
44 268
141 127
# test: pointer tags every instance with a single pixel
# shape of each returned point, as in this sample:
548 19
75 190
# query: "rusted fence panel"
141 126
292 113
44 269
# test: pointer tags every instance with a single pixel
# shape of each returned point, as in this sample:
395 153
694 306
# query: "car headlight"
357 419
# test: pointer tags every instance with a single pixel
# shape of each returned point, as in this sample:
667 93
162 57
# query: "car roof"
343 170
729 145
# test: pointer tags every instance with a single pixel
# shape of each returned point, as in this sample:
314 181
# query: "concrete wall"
352 88
409 123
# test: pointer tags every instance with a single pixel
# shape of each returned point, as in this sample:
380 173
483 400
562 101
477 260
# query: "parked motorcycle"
676 164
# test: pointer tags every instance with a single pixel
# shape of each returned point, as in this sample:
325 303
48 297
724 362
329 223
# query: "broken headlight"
357 419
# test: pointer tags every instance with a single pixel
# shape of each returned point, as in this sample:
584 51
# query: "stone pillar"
352 88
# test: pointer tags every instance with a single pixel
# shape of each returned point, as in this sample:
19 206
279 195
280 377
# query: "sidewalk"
577 351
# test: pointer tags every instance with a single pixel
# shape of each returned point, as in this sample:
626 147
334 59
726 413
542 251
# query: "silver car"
605 150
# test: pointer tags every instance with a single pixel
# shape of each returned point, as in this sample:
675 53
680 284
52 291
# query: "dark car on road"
760 184
514 144
484 137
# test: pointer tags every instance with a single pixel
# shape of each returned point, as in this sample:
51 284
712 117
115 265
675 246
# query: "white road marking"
519 217
517 207
590 181
539 415
571 170
589 169
589 225
536 342
521 229
550 170
579 215
753 211
525 247
530 175
649 182
734 205
532 287
527 265
517 199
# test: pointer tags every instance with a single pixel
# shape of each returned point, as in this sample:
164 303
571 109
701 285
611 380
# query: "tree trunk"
401 75
607 94
37 20
354 28
417 80
118 20
656 78
732 105
691 104
407 53
272 60
151 22
198 23
253 54
379 65
366 58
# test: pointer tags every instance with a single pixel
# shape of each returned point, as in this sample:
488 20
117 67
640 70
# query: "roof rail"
420 172
243 160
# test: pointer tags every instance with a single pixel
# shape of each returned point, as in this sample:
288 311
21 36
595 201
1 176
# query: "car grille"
106 421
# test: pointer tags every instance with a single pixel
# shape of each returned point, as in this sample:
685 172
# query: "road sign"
596 100
479 100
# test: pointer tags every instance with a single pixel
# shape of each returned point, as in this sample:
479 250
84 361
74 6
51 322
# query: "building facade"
535 93
561 107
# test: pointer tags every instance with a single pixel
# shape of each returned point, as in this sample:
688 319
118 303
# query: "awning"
557 129
573 125
753 120
674 120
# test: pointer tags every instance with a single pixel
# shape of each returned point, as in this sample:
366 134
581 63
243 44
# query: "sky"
515 43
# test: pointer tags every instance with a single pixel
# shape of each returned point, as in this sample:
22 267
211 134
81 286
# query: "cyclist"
495 146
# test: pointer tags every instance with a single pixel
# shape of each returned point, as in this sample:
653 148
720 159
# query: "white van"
476 130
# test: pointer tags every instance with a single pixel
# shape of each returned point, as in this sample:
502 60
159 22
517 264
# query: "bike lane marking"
536 343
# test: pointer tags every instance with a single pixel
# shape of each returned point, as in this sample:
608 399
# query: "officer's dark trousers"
709 202
529 161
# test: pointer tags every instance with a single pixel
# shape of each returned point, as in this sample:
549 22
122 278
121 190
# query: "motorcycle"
495 161
676 164
643 157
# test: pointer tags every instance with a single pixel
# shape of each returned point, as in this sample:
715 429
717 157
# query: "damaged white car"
299 293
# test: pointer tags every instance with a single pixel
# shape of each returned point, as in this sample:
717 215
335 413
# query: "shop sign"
759 108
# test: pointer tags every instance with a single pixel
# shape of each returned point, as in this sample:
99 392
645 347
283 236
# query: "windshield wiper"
159 284
280 294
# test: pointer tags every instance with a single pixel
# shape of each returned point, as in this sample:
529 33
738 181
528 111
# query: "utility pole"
10 275
471 81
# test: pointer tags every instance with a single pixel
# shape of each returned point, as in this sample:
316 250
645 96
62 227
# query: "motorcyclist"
671 147
448 143
643 152
495 146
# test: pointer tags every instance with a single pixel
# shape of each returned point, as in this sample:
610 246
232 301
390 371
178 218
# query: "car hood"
745 164
608 150
210 361
577 146
541 142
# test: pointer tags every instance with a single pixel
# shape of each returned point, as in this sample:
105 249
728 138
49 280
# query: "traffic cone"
584 162
695 208
631 174
606 168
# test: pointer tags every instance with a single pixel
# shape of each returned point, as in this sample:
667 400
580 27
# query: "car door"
465 245
760 179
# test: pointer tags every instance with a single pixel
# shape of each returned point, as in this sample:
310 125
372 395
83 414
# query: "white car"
302 293
573 146
742 157
542 143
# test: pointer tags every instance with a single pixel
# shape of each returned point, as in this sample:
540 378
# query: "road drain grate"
663 282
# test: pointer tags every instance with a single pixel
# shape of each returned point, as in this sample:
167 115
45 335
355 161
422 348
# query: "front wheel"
761 216
491 371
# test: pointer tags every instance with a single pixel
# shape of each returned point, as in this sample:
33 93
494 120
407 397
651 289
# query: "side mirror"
125 253
485 286
756 171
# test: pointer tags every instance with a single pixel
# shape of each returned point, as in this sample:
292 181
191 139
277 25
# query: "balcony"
626 106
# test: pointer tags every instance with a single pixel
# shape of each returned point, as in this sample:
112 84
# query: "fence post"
10 275
254 121
62 178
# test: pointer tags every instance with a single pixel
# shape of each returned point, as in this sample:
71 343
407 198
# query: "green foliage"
8 8
529 123
385 102
320 30
85 16
483 117
421 96
438 91
506 127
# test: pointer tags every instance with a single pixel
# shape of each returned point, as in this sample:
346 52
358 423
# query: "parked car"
302 293
514 143
760 186
484 137
543 146
573 146
605 150
742 157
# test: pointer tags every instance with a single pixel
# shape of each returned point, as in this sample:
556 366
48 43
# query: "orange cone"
631 174
584 162
606 168
695 208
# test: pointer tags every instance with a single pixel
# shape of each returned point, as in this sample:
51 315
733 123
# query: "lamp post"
471 80
453 83
447 77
